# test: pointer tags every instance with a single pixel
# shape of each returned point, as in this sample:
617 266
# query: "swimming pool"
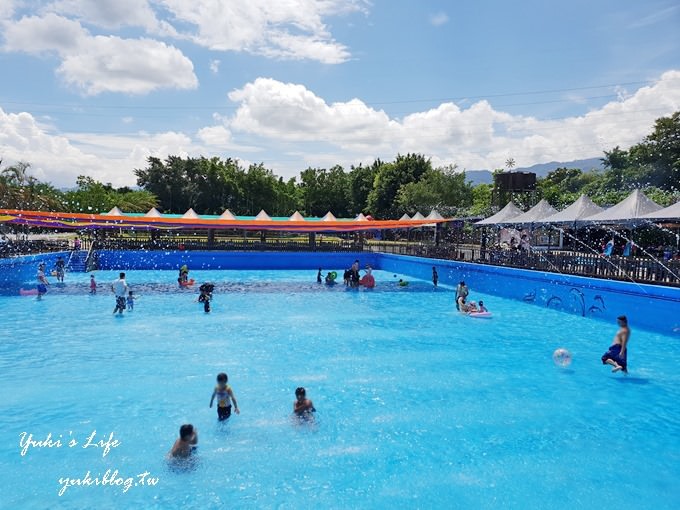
418 406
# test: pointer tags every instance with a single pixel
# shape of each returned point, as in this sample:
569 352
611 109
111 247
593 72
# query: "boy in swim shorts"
225 396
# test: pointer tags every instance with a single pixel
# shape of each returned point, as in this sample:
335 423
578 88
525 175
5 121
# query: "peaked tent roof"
190 214
541 210
153 213
582 208
115 212
262 216
329 217
360 217
434 215
227 215
405 217
296 216
508 212
417 216
672 212
631 208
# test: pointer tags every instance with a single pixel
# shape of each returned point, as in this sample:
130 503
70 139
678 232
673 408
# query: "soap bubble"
562 357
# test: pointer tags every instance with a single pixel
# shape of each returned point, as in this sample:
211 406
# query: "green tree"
443 189
382 200
660 151
361 180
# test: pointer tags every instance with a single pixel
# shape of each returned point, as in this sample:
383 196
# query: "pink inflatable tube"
480 315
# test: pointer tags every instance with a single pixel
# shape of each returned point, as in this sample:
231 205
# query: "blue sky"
92 87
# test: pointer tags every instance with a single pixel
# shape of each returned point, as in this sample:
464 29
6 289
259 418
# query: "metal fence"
192 243
35 247
637 269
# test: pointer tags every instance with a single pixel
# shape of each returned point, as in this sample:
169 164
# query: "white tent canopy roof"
153 213
405 217
508 212
434 215
418 216
672 212
329 217
633 207
582 208
227 215
115 212
360 217
296 216
536 213
262 216
190 214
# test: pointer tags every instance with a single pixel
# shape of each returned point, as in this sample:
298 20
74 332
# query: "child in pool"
131 301
302 405
225 396
482 308
93 285
186 443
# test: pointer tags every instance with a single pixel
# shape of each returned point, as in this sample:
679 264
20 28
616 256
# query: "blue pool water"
418 406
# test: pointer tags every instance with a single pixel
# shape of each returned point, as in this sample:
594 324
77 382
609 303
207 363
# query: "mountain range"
541 169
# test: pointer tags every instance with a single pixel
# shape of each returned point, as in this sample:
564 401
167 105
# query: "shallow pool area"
418 406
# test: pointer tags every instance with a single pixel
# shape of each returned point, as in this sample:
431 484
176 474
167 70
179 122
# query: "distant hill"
541 170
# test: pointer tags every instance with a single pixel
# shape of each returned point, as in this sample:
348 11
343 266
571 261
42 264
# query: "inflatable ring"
480 315
188 283
333 275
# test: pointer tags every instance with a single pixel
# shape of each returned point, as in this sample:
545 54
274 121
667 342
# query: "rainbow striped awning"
79 221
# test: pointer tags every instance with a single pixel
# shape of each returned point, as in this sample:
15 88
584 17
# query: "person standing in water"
43 283
435 276
617 355
120 289
461 292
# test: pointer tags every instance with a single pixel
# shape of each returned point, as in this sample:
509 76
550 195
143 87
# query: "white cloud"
111 14
6 8
49 34
286 111
133 66
439 19
476 137
216 136
289 29
215 66
294 128
96 64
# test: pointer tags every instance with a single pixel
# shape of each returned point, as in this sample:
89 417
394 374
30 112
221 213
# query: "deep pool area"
418 406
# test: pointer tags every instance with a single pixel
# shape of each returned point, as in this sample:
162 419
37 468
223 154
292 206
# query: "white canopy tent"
296 216
262 216
508 212
631 209
582 208
227 215
190 215
329 217
533 215
670 213
153 213
418 216
115 212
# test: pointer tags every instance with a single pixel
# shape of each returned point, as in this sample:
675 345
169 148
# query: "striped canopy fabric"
62 220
